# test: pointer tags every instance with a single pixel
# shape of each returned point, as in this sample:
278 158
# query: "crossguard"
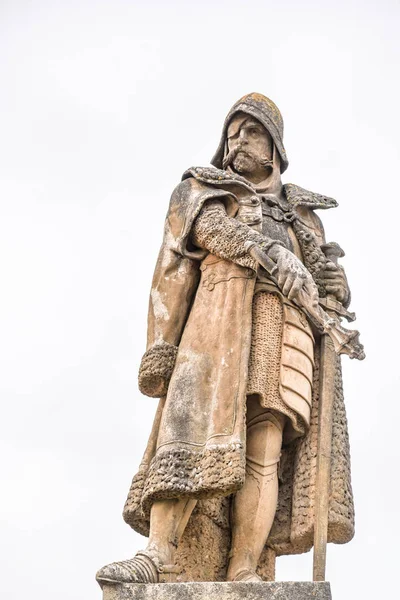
345 341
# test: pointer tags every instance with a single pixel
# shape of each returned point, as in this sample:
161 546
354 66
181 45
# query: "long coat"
199 333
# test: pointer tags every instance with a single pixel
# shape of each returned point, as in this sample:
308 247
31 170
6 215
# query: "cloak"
199 333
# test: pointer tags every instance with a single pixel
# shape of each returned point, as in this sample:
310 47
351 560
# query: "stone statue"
244 290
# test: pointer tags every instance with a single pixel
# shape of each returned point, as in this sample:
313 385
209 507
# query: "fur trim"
213 176
133 514
293 528
173 473
298 196
156 369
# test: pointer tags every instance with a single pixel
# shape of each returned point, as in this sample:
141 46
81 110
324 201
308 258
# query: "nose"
243 137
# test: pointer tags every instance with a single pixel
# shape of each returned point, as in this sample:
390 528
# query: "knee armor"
264 443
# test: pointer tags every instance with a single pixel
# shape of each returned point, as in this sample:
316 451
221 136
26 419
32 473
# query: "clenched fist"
333 279
291 275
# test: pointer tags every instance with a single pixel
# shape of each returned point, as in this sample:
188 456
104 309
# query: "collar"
298 196
294 194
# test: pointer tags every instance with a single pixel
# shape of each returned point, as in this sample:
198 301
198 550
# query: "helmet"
264 110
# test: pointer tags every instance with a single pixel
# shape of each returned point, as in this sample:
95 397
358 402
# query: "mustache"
264 161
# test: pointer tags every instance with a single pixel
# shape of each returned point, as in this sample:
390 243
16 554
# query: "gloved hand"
334 280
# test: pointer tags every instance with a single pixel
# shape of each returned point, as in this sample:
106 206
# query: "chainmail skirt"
265 360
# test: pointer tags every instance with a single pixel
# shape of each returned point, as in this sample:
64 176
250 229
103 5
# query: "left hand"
335 282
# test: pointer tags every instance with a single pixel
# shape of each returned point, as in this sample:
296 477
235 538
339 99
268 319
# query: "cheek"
259 145
257 148
231 144
263 146
267 147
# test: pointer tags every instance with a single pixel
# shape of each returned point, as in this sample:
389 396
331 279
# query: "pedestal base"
285 590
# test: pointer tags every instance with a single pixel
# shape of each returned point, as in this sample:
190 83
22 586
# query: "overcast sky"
103 105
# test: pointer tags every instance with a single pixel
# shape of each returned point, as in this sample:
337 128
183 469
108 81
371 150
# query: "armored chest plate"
276 220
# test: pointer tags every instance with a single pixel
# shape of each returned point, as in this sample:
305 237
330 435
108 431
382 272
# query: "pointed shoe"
140 569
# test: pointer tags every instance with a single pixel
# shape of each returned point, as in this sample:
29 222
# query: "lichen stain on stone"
158 334
159 308
167 253
189 355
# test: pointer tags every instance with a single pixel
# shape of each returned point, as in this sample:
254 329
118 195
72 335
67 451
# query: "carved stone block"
285 590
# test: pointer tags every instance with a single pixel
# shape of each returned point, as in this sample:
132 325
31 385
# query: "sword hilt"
332 251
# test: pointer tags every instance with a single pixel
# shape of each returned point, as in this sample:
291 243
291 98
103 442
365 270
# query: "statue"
244 293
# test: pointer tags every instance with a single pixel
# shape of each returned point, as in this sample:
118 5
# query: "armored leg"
168 519
255 504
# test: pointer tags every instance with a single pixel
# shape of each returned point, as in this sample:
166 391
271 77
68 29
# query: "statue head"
249 149
252 131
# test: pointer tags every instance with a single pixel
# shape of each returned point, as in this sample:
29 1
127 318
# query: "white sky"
103 105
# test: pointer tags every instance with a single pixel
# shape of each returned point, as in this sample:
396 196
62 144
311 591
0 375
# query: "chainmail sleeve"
224 236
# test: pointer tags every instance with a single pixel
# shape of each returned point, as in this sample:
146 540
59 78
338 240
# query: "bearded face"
250 148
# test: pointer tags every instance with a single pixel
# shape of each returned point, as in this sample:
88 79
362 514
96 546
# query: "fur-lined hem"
340 531
219 470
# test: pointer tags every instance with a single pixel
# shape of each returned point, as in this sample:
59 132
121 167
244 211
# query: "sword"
335 340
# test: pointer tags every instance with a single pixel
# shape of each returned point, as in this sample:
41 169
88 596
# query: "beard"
245 161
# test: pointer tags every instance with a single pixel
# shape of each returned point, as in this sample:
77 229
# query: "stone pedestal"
285 590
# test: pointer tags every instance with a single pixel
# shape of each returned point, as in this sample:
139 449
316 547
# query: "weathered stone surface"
285 590
243 281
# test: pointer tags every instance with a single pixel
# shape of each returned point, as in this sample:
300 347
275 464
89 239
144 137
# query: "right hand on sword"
296 283
291 275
